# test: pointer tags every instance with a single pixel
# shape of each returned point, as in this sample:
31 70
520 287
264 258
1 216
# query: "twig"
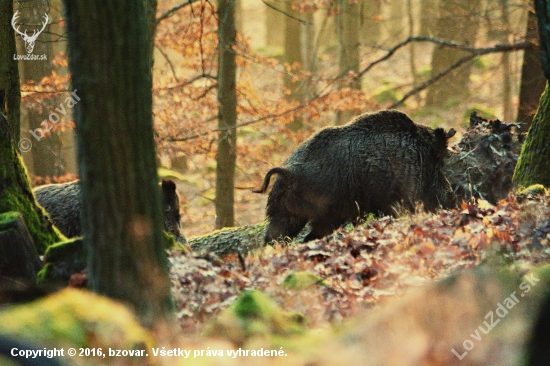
173 10
168 60
285 13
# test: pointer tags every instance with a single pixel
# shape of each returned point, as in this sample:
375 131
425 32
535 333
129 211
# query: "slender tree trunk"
428 17
15 190
371 14
347 24
227 116
508 111
532 79
46 155
275 24
412 54
292 56
396 25
458 21
121 206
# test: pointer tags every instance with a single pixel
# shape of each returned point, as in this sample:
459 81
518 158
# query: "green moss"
62 260
301 280
253 314
165 173
7 218
66 319
532 166
16 195
533 190
169 240
64 250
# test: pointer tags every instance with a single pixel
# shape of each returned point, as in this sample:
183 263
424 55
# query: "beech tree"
227 115
121 208
15 190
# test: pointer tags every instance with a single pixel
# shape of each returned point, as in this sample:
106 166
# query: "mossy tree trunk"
15 190
227 116
121 204
532 78
533 165
534 161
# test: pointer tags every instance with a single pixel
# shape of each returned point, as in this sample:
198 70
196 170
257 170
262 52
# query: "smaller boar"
62 203
341 173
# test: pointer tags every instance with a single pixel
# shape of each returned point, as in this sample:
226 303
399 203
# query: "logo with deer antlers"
29 40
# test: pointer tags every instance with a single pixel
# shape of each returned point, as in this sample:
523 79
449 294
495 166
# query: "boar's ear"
441 138
451 133
169 193
168 185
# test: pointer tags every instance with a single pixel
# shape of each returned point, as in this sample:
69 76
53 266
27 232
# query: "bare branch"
169 61
188 82
173 10
475 52
304 22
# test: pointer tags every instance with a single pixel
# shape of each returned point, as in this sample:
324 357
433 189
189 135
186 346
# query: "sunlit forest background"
301 65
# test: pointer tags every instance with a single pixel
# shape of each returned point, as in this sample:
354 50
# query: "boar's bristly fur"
341 173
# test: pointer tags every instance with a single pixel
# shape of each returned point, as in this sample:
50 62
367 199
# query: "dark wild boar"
62 203
367 166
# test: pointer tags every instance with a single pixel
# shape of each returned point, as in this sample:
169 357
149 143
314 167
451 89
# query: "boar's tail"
282 171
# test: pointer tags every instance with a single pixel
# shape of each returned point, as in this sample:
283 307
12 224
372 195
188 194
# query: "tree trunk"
428 17
15 190
121 206
396 26
371 13
227 116
347 23
532 166
274 24
532 79
151 13
46 155
506 67
293 56
457 22
10 97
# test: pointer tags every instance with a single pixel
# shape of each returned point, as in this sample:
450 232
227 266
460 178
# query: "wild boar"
370 165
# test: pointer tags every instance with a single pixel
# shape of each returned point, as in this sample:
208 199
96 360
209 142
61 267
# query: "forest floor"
361 266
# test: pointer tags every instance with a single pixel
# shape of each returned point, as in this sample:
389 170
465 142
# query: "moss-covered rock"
532 191
255 314
68 257
77 319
